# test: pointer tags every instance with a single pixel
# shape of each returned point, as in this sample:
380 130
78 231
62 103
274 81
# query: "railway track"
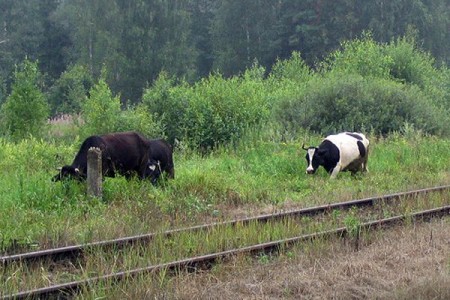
206 260
76 251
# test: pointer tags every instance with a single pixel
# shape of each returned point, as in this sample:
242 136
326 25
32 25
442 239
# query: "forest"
132 42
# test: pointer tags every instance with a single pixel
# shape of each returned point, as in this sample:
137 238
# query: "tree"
101 111
26 110
202 15
132 40
69 90
28 29
243 31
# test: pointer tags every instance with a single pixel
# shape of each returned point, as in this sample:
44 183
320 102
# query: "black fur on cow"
124 153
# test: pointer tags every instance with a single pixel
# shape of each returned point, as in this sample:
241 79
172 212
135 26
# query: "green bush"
26 109
138 119
361 56
410 65
223 109
168 103
287 79
371 86
293 69
351 102
215 111
101 111
69 91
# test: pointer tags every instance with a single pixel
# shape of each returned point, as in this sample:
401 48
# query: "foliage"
371 86
360 56
101 110
411 65
215 111
137 119
30 31
242 32
347 102
70 90
102 114
26 109
223 109
287 80
137 40
168 103
294 69
134 40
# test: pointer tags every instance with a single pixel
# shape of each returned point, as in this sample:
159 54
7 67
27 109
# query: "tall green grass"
263 173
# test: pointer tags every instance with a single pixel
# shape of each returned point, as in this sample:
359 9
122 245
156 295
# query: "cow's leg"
364 166
335 171
171 173
366 158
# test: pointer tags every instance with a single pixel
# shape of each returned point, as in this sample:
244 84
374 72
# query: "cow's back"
80 160
350 147
128 151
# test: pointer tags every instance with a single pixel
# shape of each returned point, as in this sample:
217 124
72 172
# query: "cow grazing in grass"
160 160
347 151
124 153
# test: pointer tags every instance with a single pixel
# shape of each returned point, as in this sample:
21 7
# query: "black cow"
125 153
347 151
160 160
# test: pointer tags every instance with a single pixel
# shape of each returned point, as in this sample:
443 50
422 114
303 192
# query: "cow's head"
68 172
314 158
153 170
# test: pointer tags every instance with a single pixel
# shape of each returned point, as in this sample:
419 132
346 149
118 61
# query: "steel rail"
194 263
70 252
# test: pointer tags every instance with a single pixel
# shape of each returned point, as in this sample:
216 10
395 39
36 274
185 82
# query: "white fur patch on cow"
152 167
348 149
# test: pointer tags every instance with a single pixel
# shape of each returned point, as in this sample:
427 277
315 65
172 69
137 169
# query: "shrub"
351 102
26 109
138 119
287 78
293 69
215 111
361 56
168 103
68 92
101 111
371 86
411 65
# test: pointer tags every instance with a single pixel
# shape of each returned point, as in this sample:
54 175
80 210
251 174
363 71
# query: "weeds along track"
68 270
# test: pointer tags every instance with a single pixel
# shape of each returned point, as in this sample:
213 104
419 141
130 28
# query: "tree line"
364 86
130 43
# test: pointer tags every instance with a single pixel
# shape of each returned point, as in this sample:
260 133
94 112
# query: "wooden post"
94 172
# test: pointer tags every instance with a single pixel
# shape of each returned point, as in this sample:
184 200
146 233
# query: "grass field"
261 175
257 176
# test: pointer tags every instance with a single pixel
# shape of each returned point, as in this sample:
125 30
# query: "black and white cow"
346 151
